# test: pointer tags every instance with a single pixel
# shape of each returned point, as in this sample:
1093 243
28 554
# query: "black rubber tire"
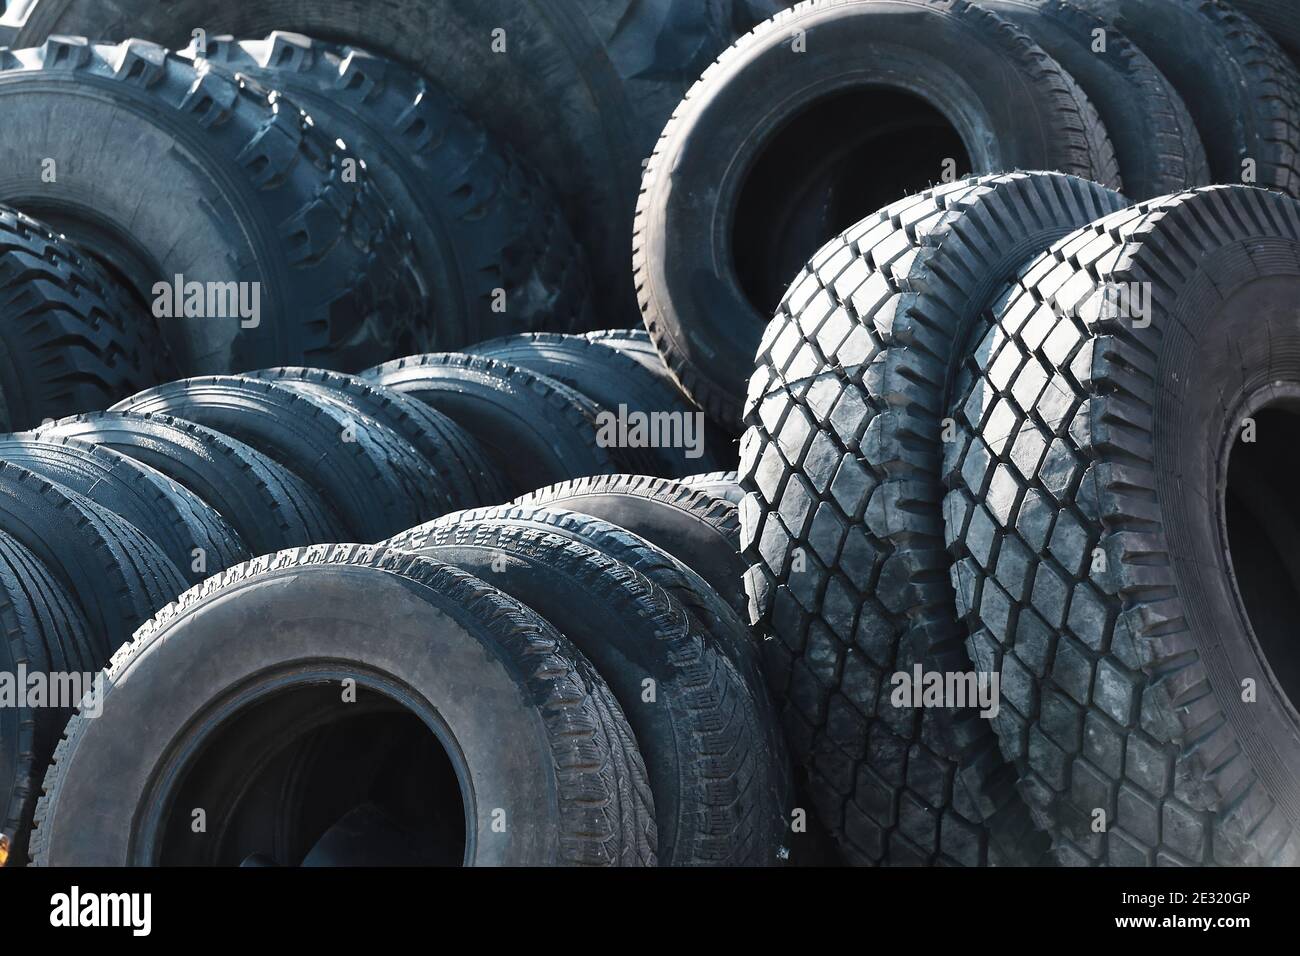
718 484
842 523
459 459
269 507
697 728
541 737
1242 91
116 575
1278 18
70 339
1087 526
698 529
481 219
372 478
137 132
636 344
749 178
611 378
193 535
45 632
582 89
535 429
1156 143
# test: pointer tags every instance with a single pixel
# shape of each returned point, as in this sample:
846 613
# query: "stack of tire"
585 672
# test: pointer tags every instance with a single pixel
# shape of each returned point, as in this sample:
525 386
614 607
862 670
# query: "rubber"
129 127
269 507
701 531
1084 527
481 219
685 702
718 484
842 520
1277 17
193 535
375 481
544 740
1243 93
45 633
582 88
535 429
116 575
710 269
615 381
1156 143
462 464
70 340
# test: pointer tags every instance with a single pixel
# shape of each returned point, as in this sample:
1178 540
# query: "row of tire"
614 600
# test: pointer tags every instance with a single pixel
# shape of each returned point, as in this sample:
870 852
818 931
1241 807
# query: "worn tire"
1278 18
269 507
842 523
169 515
372 478
482 220
45 632
1243 93
137 132
541 739
754 172
70 339
1156 143
613 379
1095 561
700 530
699 738
535 429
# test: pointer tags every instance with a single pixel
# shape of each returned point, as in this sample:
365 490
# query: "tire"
614 380
717 484
636 344
534 429
541 738
269 507
70 340
117 576
461 462
482 220
701 531
1243 94
582 89
757 150
694 721
842 520
372 479
335 286
193 535
1156 143
45 633
1277 17
1096 563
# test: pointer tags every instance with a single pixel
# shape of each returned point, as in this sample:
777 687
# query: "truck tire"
457 456
1156 143
373 479
1277 17
334 281
492 245
616 381
1243 93
700 530
685 702
45 632
193 535
269 507
535 429
718 484
842 524
1116 539
70 340
731 206
541 740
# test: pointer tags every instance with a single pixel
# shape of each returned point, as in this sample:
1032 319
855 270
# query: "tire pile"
1005 574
